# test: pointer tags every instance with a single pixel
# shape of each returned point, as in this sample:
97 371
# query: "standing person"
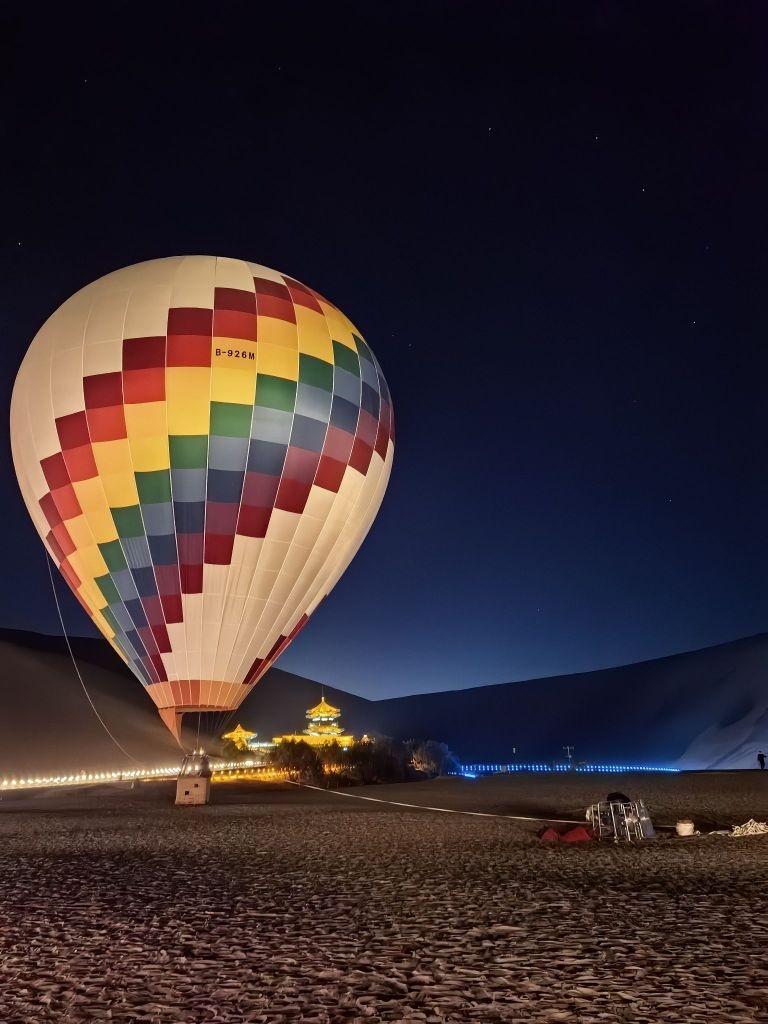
761 760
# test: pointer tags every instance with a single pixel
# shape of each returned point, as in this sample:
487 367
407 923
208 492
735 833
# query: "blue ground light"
471 771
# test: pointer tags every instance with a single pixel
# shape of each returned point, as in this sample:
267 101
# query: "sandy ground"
712 799
278 904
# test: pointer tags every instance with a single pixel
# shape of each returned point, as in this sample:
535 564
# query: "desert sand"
278 904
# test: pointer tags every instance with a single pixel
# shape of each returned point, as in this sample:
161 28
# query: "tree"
334 757
377 760
231 751
298 758
431 758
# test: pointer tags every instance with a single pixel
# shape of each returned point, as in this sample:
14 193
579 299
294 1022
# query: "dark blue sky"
548 220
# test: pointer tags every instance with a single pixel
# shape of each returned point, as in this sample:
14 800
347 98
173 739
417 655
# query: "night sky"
549 222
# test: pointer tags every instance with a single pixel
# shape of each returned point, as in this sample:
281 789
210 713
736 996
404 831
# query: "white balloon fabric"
203 444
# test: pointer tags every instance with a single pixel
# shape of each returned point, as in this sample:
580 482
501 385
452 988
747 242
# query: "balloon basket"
193 786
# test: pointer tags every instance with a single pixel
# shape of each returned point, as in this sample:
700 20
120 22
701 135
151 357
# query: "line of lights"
79 778
129 775
501 769
226 768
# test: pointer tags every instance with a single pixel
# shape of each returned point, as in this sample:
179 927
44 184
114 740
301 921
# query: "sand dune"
703 709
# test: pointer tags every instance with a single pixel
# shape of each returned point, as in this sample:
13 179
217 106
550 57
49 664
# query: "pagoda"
240 737
246 740
322 727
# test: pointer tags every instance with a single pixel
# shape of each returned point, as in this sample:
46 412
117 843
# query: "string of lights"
503 769
31 781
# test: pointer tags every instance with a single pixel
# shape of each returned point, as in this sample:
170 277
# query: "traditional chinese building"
240 737
322 727
245 740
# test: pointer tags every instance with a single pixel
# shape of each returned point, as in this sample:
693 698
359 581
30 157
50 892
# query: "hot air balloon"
202 444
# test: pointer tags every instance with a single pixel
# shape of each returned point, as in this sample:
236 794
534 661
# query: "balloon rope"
77 670
197 745
228 718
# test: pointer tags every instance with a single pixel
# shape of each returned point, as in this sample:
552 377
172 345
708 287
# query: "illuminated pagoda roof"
323 710
322 727
240 737
322 721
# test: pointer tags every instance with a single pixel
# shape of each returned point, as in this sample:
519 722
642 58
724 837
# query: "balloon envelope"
202 444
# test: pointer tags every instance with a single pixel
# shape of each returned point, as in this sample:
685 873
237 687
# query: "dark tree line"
364 762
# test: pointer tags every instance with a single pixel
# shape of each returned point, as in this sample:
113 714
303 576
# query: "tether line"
442 810
77 669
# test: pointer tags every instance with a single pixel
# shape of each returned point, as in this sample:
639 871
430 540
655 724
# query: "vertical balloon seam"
142 515
294 613
194 658
36 450
252 442
350 547
335 555
225 592
223 675
203 595
205 496
211 671
253 270
335 573
174 278
302 598
53 418
123 548
340 554
177 670
343 550
187 611
139 502
151 669
221 599
305 596
242 485
261 556
245 656
327 523
81 353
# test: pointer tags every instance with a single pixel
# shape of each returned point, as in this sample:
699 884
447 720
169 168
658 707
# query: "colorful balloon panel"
202 443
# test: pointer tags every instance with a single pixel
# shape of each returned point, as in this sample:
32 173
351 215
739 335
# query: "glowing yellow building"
322 727
240 737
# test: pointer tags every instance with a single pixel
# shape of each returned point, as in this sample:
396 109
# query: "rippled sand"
286 905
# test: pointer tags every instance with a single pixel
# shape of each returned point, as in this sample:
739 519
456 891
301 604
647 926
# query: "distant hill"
46 722
706 708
